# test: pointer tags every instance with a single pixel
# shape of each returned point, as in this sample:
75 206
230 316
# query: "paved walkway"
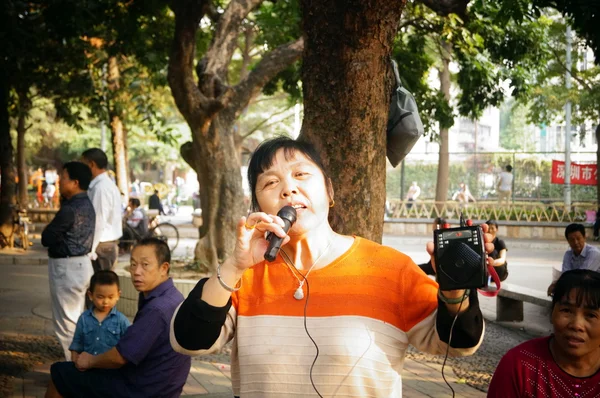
207 379
213 380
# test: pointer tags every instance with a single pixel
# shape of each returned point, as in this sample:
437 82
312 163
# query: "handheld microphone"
288 215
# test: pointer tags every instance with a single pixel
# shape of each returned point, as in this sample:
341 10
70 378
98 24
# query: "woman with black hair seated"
499 253
566 363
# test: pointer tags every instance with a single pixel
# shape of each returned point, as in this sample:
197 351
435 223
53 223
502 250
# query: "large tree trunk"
347 84
118 144
443 172
221 199
7 187
24 107
117 128
210 109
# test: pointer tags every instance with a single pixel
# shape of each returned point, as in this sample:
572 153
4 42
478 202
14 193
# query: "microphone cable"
308 333
317 347
448 346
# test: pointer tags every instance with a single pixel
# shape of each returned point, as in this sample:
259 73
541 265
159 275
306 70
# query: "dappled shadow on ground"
477 370
21 353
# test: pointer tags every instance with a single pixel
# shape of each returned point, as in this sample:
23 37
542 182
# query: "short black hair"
574 228
585 282
492 222
508 168
161 249
79 172
135 201
103 277
264 155
97 156
439 221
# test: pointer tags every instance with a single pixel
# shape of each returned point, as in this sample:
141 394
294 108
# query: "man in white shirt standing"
504 185
106 198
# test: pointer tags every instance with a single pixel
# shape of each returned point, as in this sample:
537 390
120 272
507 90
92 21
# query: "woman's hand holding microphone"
250 248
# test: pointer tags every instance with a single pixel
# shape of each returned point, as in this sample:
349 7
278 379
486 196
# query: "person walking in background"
579 256
106 199
413 193
69 238
504 185
154 203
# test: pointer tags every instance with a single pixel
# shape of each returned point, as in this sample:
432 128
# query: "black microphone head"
288 213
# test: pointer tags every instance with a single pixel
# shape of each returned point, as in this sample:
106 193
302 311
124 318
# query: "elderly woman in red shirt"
566 363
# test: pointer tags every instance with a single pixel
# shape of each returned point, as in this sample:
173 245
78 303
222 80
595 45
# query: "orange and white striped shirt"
364 309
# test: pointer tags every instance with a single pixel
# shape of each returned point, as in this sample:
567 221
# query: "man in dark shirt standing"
69 239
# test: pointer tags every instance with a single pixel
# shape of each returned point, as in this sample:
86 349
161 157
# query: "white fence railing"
521 212
492 211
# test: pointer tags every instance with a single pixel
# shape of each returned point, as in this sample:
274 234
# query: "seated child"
100 328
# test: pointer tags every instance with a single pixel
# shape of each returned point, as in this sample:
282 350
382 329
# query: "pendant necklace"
299 293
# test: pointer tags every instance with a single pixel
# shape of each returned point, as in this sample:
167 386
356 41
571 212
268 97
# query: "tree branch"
563 66
211 12
269 66
404 23
194 105
226 34
275 97
246 58
445 7
262 123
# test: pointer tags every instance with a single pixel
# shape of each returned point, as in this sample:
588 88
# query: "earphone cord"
448 347
309 336
317 347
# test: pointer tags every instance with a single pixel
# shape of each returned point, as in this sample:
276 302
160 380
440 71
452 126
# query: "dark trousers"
108 253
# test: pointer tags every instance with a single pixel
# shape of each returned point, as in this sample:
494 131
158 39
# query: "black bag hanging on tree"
404 124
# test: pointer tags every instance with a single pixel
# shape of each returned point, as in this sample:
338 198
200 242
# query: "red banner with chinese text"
581 174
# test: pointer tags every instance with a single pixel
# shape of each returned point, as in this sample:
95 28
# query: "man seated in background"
142 364
135 224
579 256
154 203
137 218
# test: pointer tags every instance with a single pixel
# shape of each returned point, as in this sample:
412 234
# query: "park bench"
510 299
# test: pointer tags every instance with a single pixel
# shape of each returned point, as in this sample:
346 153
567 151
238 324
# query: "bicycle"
164 231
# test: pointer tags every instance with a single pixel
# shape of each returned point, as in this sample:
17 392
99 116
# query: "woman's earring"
332 203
